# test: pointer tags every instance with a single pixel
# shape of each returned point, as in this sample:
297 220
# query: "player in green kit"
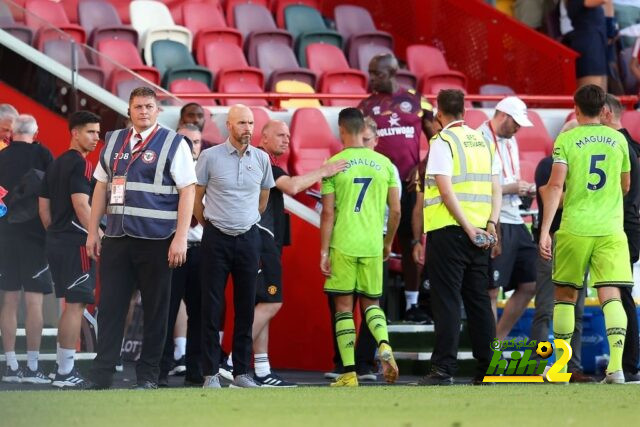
353 247
592 160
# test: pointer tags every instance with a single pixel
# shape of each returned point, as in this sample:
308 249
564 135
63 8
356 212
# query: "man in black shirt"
273 229
23 264
611 118
65 210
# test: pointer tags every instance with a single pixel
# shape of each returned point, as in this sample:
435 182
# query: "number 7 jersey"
360 201
595 156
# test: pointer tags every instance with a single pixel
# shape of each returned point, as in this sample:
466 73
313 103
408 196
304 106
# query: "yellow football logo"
544 349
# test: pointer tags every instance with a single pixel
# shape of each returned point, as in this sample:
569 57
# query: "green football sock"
563 324
377 323
346 337
615 321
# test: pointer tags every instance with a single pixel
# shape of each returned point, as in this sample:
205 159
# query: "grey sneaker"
212 381
243 381
616 377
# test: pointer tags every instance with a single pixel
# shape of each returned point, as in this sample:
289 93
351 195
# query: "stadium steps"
47 350
412 346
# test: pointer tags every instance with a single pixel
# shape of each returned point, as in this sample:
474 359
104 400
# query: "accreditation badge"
117 190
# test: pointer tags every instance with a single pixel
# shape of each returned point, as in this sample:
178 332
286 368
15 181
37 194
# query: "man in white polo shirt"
513 263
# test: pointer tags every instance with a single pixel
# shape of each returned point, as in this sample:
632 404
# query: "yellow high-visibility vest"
471 180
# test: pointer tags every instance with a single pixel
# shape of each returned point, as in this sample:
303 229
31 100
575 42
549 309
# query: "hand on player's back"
333 168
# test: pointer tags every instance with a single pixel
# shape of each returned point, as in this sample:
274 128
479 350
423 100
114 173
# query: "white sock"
261 364
180 347
12 360
32 360
58 353
230 360
411 297
66 358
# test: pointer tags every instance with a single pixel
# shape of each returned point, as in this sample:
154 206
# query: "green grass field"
512 405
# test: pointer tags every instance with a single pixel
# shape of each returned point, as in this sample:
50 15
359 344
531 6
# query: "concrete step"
420 338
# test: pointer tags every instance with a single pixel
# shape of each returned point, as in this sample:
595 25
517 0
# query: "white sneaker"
616 377
212 381
226 371
243 381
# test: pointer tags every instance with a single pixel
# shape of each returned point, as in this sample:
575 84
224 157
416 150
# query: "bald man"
234 180
273 229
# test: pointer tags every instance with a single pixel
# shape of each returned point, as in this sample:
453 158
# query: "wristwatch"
415 242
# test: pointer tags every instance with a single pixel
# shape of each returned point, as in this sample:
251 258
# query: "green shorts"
349 274
606 256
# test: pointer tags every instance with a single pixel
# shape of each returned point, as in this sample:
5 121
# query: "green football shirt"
361 198
595 156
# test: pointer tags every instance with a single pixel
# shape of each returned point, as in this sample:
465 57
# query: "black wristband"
492 222
415 242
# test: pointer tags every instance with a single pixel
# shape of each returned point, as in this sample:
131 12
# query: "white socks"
32 360
65 359
12 361
411 297
180 347
261 364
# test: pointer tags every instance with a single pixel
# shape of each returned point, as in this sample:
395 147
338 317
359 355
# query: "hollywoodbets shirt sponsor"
398 117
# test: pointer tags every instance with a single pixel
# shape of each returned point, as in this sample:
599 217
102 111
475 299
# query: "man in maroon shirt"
401 116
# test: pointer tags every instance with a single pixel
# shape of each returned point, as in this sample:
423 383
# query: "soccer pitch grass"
502 405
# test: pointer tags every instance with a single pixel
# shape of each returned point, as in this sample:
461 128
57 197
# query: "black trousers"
185 284
223 254
127 263
458 272
632 342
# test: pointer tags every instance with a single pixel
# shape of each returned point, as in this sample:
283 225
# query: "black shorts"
517 262
23 265
269 285
407 203
74 273
592 47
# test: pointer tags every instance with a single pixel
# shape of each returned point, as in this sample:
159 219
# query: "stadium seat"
307 26
207 24
278 7
631 122
428 63
293 86
17 10
474 118
174 61
260 118
211 133
528 169
232 74
355 25
153 21
124 87
60 51
17 30
44 16
278 62
434 86
126 54
101 21
494 89
180 86
335 76
231 4
570 116
312 142
366 52
256 25
176 7
534 142
122 7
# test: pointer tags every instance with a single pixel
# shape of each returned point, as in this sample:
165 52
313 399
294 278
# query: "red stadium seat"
631 122
211 132
176 7
100 20
60 51
534 142
260 118
180 86
17 30
435 86
428 63
125 54
312 142
48 14
231 4
528 169
207 24
256 25
474 118
329 63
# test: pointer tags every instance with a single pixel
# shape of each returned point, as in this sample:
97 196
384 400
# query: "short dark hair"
590 99
451 102
190 104
81 118
143 92
614 105
352 120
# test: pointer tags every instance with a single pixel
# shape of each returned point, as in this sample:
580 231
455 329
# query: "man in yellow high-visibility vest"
459 211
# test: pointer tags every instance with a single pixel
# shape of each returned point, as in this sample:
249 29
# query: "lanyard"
495 143
454 124
135 156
